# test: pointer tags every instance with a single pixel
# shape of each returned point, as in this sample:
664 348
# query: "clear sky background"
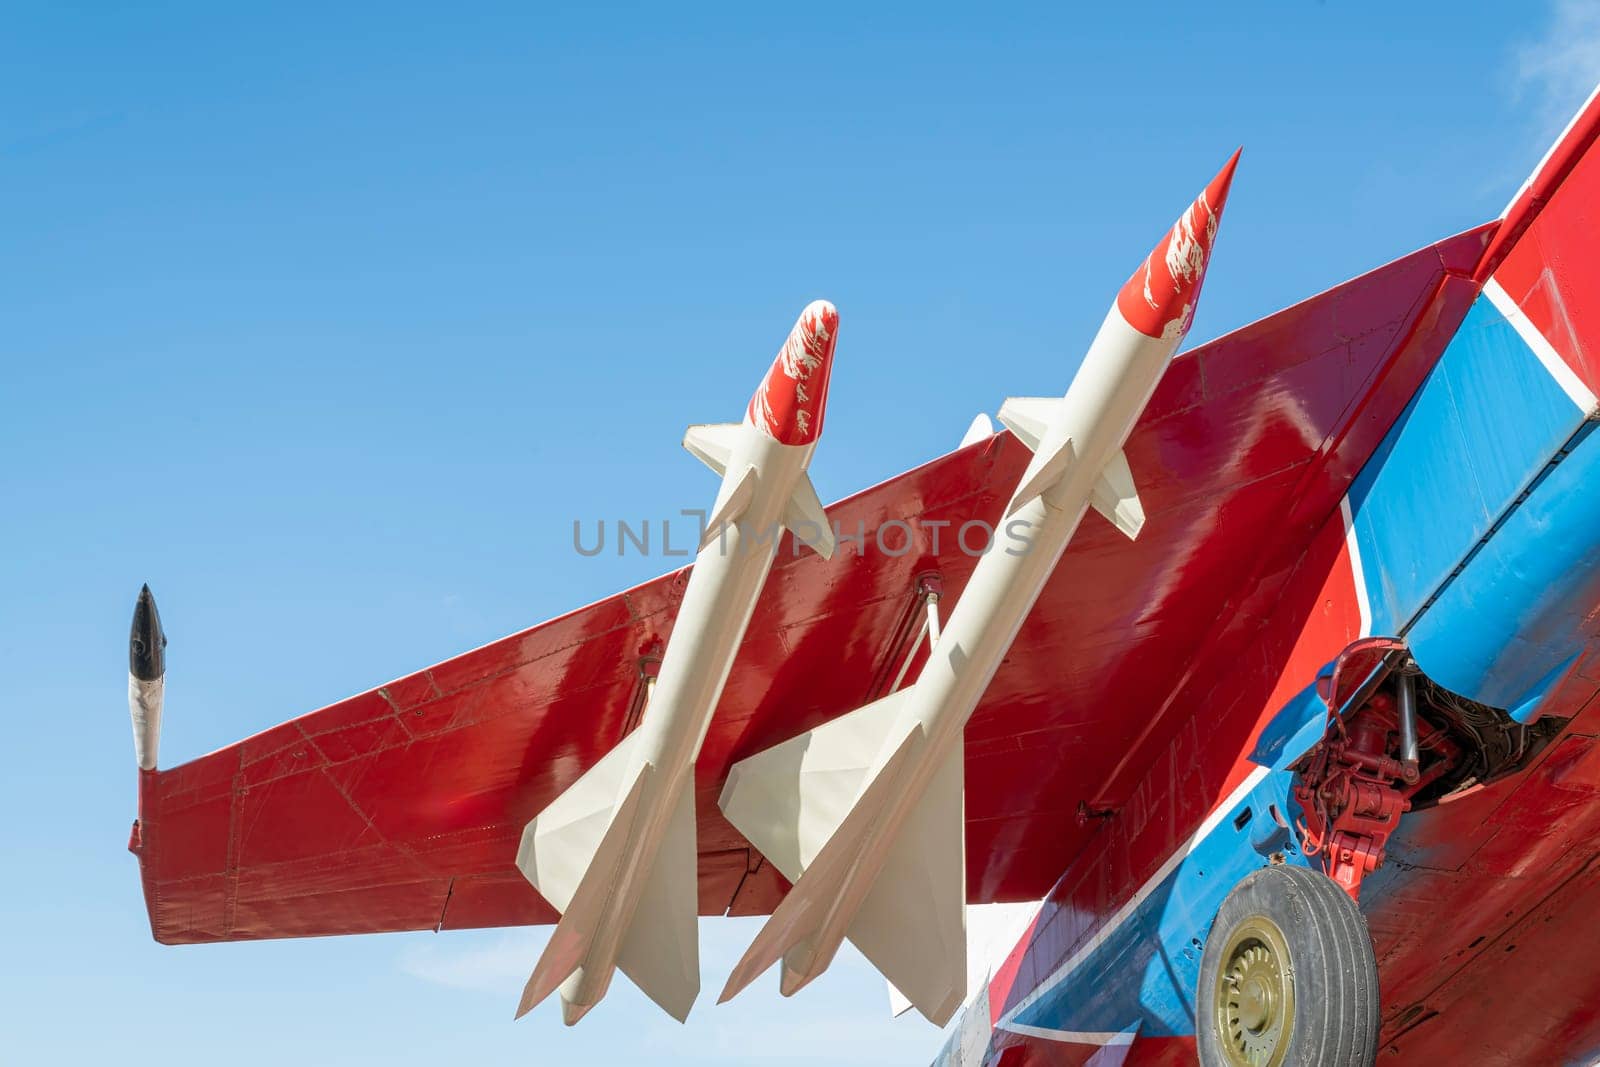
328 324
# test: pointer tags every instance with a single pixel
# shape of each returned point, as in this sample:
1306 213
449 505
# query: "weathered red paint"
790 402
1160 298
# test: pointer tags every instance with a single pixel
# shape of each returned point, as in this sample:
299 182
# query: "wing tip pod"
147 671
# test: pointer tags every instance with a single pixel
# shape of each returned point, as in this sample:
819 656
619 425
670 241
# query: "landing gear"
1288 977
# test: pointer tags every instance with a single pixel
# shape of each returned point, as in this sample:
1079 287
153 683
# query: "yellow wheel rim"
1253 1003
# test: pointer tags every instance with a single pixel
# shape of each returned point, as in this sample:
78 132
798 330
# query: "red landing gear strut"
1357 782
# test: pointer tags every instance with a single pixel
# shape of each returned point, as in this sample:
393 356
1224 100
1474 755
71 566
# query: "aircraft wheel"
1288 977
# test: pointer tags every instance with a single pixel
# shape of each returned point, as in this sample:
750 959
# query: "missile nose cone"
147 657
789 404
1159 300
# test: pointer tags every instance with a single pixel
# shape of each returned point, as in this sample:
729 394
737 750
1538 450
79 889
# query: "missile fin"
1028 417
712 443
789 799
980 429
732 506
559 843
661 951
807 519
580 919
1117 498
802 912
1046 470
912 925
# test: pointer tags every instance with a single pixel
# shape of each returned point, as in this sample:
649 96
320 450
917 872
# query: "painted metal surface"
400 808
1272 454
1116 946
1477 460
1473 532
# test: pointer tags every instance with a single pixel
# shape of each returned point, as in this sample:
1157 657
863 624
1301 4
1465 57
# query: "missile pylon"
616 853
864 815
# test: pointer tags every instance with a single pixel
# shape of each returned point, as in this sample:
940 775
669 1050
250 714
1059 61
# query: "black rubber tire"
1331 966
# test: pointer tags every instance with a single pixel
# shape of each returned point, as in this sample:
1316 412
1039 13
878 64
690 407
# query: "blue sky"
328 324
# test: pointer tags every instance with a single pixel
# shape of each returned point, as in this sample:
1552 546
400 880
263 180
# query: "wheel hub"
1254 998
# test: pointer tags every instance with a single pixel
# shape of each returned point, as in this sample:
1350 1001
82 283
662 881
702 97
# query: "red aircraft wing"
401 808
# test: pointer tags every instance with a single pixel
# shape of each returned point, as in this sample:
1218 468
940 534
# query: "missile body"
877 854
147 674
616 853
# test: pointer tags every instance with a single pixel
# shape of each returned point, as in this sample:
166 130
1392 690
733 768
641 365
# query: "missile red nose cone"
1160 298
789 404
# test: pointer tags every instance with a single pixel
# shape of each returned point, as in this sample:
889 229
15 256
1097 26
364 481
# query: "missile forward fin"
712 443
732 506
912 925
1028 417
1117 498
661 951
789 799
1044 472
805 517
557 852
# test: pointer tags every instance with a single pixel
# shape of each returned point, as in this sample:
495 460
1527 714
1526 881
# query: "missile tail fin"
805 517
789 799
800 917
712 443
1117 498
661 950
912 925
570 852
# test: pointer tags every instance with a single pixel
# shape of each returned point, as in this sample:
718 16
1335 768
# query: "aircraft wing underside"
401 808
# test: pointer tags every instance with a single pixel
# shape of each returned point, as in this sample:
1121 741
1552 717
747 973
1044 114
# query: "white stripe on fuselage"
1360 576
1076 1037
1564 375
1124 913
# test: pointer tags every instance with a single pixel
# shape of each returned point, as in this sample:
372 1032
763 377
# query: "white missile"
865 814
616 853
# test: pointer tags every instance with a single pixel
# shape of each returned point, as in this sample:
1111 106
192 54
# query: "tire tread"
1335 971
